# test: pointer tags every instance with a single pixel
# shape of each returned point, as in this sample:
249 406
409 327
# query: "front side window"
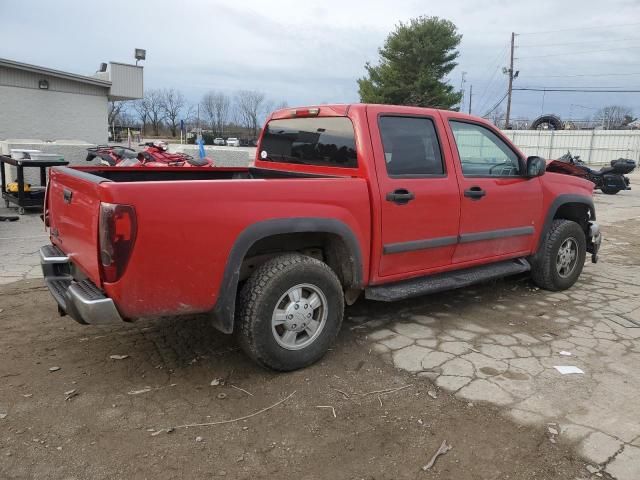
326 141
410 146
482 153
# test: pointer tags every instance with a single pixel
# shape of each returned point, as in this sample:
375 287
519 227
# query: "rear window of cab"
324 141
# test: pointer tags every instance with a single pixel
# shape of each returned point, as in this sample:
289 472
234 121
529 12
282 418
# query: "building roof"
54 73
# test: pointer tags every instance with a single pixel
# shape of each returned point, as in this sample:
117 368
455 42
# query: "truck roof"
342 109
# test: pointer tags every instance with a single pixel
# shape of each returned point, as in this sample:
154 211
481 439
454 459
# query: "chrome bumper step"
81 300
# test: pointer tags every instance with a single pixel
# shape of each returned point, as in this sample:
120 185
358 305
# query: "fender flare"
557 203
222 314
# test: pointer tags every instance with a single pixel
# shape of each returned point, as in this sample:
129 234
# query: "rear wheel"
290 312
610 190
560 260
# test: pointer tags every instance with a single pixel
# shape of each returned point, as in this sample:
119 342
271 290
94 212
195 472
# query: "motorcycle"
153 155
610 180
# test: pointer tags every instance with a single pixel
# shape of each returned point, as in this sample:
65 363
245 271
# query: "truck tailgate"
73 202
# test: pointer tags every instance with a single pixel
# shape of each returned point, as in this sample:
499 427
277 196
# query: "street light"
140 54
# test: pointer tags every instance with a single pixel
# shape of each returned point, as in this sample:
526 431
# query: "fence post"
593 133
551 144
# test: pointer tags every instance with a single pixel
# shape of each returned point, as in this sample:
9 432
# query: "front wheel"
290 312
560 259
610 190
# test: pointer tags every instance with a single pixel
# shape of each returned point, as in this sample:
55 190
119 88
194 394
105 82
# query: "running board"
445 281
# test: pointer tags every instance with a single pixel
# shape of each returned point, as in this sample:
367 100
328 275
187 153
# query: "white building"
45 104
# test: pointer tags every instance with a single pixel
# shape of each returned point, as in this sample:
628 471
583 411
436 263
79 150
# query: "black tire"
544 265
552 122
610 191
258 300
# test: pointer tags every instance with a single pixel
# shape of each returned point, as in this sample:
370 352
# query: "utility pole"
511 77
470 97
462 82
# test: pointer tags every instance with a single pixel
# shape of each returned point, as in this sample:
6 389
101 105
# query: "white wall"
52 115
597 147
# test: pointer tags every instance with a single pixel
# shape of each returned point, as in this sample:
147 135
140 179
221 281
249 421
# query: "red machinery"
154 155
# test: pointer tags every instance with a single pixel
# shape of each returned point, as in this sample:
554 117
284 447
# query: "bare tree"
267 108
249 105
190 117
115 109
216 106
497 117
207 106
281 105
141 107
172 102
613 116
154 109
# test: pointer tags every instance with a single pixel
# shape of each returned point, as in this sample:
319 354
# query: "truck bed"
188 220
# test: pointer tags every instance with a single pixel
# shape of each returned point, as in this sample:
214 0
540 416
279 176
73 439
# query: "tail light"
45 205
117 229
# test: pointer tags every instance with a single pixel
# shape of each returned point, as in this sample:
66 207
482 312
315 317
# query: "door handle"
475 193
401 196
67 195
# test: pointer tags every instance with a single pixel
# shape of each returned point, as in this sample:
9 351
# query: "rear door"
419 200
73 203
499 205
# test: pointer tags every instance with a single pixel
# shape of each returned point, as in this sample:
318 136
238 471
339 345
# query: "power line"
497 104
577 53
481 100
582 42
581 52
595 27
588 87
487 102
574 90
586 75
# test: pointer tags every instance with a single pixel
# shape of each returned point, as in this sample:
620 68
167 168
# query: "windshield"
327 141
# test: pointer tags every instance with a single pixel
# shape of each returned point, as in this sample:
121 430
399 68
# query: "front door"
500 208
418 189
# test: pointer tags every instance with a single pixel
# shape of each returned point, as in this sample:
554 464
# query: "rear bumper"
81 300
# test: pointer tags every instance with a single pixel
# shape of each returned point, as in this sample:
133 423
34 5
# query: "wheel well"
327 247
576 212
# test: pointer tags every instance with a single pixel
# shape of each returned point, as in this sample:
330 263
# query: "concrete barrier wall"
596 147
222 156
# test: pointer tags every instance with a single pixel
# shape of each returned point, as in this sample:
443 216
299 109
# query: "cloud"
310 53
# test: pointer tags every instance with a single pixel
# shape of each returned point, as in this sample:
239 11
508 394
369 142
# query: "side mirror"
536 166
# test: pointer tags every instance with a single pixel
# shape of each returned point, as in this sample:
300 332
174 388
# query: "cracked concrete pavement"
19 245
499 343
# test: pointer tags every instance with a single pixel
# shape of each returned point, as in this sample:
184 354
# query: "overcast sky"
306 52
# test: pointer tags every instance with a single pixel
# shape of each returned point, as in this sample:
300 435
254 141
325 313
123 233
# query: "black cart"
34 199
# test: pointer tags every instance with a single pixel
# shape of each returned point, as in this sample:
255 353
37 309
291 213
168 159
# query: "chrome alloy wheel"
567 257
299 316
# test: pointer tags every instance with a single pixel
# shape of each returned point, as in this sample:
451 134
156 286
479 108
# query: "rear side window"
327 141
410 146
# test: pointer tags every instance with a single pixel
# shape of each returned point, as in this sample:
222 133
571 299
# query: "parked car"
233 142
218 141
423 201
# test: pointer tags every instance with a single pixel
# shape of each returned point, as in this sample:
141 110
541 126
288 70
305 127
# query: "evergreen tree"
414 62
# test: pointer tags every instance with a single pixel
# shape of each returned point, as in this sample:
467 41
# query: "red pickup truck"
386 201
